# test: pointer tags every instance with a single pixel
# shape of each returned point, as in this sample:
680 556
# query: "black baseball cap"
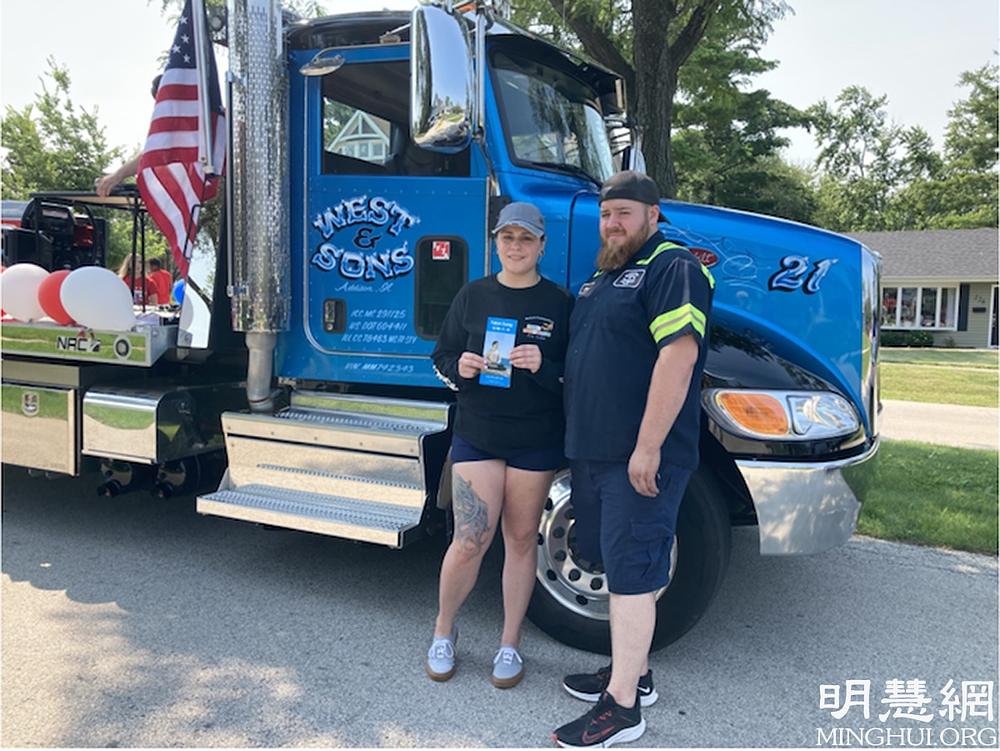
633 186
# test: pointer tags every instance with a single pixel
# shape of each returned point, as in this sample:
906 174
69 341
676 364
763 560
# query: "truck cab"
370 154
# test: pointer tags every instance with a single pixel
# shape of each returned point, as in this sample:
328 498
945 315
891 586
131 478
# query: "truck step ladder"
356 467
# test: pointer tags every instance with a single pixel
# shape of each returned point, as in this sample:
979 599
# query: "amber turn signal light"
760 413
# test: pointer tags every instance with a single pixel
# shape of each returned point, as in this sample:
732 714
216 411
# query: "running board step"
349 518
361 468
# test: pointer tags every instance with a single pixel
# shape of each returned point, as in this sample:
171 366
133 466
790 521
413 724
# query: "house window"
919 307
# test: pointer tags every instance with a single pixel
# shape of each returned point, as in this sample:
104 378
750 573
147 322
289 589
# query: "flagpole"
201 41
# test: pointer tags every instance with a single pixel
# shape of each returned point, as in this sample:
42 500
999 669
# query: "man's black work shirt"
620 322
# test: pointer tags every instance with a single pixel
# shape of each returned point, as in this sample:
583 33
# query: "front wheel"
570 601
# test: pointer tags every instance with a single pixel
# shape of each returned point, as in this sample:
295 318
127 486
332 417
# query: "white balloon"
98 299
19 291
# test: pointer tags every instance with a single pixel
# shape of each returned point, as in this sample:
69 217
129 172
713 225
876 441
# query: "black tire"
699 561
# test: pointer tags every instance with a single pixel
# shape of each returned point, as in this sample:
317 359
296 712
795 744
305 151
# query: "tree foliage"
877 175
647 42
727 134
52 144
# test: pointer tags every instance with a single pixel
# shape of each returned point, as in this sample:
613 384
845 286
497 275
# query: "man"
164 281
105 184
632 380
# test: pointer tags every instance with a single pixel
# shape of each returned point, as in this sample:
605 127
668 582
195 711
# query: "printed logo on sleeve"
630 279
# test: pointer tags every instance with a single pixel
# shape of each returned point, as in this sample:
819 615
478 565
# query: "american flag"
171 175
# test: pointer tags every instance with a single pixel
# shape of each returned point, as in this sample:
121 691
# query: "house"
943 282
364 137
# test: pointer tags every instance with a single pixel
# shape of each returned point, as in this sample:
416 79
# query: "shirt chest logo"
630 279
586 289
538 327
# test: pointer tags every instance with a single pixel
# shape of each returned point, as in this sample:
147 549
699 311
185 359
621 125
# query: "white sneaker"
508 667
440 664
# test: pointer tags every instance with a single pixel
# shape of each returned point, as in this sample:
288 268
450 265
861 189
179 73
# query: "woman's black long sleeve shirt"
529 414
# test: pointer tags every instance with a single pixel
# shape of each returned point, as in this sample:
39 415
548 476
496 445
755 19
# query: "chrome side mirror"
441 80
634 158
625 139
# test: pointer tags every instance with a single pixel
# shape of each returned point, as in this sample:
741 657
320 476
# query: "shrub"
906 339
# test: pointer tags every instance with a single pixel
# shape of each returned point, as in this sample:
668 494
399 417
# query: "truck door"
389 232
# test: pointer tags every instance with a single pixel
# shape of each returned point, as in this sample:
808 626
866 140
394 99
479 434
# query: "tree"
971 137
646 42
726 134
52 144
963 193
880 176
866 161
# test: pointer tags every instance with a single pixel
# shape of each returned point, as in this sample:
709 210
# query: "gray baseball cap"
521 214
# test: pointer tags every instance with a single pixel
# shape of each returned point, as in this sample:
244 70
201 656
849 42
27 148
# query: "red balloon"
48 297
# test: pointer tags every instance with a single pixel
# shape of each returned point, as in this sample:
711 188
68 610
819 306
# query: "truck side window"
355 133
366 111
551 118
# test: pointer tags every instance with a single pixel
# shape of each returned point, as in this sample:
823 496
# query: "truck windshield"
552 119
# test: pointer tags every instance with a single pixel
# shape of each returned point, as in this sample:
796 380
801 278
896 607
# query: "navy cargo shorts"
630 534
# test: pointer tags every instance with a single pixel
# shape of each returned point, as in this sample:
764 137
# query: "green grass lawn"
966 358
973 385
933 495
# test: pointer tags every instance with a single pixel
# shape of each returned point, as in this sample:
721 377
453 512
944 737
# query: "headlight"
783 415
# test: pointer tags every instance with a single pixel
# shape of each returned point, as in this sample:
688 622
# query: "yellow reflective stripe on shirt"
708 274
661 248
676 319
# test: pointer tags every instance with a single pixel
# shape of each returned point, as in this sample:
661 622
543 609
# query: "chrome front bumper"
807 507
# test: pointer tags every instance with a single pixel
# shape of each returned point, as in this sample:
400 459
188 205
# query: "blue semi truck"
368 155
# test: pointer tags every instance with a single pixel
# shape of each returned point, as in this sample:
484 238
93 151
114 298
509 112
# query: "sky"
911 50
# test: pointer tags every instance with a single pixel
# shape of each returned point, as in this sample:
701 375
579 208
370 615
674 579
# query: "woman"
508 435
137 284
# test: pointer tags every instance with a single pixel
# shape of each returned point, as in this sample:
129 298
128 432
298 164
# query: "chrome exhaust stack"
258 187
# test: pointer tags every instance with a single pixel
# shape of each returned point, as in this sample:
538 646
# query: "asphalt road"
946 424
132 622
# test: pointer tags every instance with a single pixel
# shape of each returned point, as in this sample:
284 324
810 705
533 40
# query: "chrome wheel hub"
577 584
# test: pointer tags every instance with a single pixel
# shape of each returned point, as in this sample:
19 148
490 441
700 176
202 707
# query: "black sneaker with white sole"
606 724
590 686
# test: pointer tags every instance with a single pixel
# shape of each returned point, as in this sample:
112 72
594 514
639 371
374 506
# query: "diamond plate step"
355 421
342 465
328 471
337 516
375 433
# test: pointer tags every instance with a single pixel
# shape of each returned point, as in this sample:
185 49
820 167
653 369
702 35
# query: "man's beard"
614 257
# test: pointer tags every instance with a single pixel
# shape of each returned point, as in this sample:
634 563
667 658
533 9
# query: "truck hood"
804 292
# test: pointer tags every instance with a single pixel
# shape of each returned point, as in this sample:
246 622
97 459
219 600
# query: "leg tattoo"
471 515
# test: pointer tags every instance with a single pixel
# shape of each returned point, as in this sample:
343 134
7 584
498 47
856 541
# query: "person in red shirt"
151 291
164 281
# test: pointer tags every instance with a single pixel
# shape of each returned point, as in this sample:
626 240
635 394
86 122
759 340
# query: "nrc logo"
77 344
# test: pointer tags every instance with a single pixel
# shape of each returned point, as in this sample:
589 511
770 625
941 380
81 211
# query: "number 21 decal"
797 273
